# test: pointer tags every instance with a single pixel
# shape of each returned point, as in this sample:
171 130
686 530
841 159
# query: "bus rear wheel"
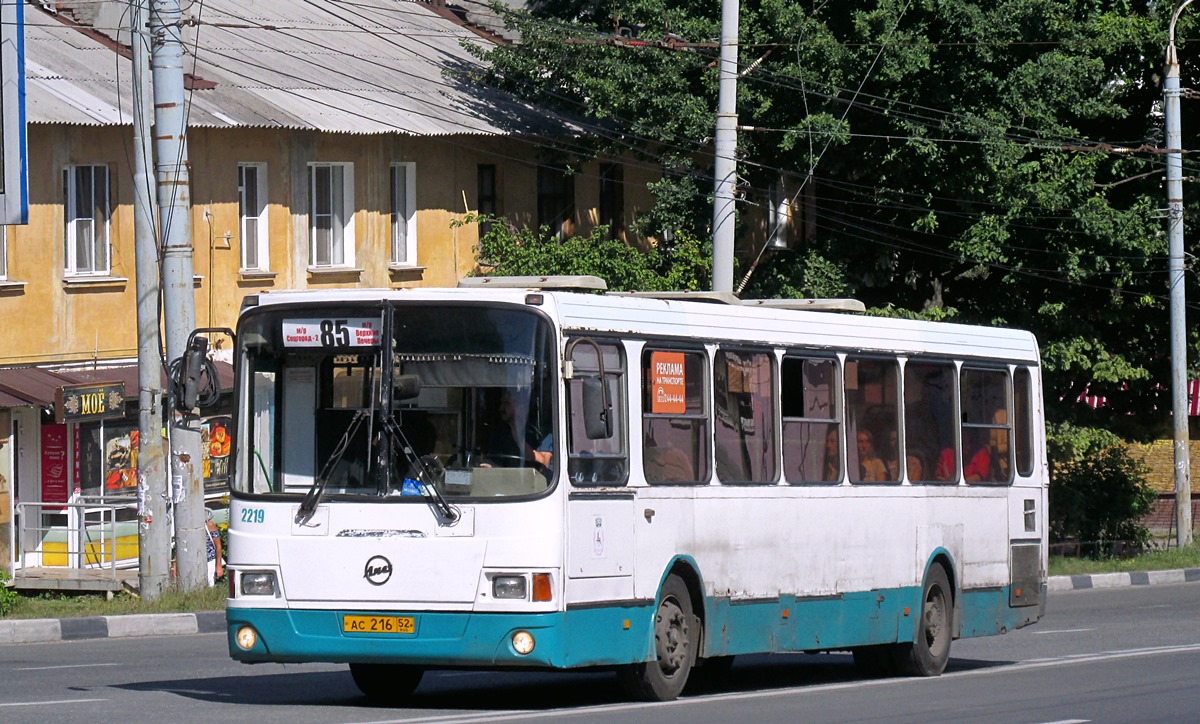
675 634
386 683
930 650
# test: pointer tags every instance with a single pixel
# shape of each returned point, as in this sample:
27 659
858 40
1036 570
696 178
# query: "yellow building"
325 149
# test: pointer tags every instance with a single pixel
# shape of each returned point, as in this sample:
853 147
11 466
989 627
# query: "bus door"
600 508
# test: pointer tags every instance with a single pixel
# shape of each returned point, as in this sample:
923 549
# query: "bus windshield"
462 403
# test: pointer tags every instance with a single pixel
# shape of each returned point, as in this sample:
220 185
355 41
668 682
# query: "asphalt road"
1111 655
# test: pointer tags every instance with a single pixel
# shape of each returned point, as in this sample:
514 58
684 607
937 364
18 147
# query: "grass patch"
1158 560
55 604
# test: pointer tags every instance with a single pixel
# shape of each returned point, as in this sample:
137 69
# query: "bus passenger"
870 468
833 457
990 461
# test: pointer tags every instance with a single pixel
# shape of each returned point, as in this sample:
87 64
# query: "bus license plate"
379 624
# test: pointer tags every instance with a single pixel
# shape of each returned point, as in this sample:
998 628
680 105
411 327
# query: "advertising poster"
55 477
120 460
216 440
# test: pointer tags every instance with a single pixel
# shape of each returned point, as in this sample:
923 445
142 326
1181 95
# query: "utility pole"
1179 411
725 147
179 302
154 528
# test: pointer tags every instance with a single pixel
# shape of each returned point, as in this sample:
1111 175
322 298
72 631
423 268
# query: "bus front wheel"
930 650
386 683
675 637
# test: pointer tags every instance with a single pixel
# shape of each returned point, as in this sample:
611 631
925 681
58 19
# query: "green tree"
1098 491
991 163
505 250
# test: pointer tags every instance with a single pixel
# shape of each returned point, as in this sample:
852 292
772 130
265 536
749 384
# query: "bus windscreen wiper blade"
429 490
312 498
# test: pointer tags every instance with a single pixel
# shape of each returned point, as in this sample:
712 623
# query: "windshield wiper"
425 476
312 498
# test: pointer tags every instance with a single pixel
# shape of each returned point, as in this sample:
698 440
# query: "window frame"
346 233
850 416
258 221
610 201
99 247
617 383
933 459
771 416
974 426
405 208
561 198
3 252
702 463
837 419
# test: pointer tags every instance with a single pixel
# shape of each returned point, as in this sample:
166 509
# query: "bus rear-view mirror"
406 387
597 413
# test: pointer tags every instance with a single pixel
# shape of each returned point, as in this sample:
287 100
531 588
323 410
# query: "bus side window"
929 448
872 418
675 436
1023 420
603 461
986 426
744 411
810 400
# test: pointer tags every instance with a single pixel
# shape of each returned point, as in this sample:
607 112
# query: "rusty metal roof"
368 67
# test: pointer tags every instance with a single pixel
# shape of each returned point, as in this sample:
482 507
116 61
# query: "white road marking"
510 715
1061 630
47 703
65 666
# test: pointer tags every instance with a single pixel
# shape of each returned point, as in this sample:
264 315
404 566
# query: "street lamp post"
1183 486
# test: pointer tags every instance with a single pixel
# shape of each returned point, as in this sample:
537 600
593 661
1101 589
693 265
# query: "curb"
42 630
1117 580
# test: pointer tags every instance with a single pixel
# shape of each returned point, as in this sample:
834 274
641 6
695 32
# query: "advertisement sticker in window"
668 383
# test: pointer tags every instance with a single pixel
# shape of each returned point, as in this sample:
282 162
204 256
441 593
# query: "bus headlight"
246 637
522 642
258 583
510 587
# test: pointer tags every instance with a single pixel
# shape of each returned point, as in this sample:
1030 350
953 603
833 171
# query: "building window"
611 204
331 214
86 216
485 194
252 214
555 200
404 214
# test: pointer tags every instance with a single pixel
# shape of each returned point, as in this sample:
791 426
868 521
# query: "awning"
36 386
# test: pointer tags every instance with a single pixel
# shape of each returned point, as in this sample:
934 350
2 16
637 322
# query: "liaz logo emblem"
377 571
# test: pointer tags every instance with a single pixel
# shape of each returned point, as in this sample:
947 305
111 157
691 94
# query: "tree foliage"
992 163
1098 491
505 250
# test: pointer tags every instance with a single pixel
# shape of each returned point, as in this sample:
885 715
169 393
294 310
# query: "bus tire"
386 683
675 636
930 650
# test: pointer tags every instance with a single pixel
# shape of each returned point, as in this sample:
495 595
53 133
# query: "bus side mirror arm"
597 407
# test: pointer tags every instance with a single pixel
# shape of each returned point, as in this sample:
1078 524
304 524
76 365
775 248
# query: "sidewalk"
39 630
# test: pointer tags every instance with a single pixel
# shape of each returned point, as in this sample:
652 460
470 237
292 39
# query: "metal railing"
81 535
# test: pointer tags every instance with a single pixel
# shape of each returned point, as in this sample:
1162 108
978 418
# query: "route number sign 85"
331 333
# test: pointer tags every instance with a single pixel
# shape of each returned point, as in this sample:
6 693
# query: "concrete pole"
179 302
1179 412
154 529
725 163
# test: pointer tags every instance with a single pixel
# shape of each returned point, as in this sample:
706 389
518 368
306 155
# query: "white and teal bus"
520 474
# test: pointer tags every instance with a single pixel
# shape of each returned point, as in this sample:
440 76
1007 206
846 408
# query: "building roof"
368 67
